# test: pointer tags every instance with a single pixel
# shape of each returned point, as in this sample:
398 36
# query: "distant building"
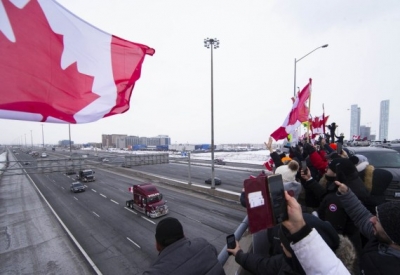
355 116
384 120
65 143
365 132
124 141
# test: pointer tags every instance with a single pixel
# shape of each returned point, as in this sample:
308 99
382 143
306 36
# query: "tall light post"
212 43
42 136
297 60
31 140
69 130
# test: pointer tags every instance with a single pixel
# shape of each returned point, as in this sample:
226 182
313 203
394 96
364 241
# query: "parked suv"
384 158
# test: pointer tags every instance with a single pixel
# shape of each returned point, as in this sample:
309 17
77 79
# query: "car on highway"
219 161
44 155
384 158
217 181
77 187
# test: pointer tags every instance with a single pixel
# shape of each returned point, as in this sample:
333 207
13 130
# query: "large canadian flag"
55 67
298 114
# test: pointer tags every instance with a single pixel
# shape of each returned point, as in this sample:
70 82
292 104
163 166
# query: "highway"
119 240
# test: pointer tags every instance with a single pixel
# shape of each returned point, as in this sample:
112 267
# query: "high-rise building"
355 116
384 120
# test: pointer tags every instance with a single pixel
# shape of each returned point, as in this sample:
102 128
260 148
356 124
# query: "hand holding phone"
230 242
278 201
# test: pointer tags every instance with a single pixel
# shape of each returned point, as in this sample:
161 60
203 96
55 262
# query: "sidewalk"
32 240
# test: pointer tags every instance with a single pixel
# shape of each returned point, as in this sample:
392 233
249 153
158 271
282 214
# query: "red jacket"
319 161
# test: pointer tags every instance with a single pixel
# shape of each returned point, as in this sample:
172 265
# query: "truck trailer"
147 200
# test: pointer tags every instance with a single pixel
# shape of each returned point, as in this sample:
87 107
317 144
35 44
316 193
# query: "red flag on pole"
55 67
297 115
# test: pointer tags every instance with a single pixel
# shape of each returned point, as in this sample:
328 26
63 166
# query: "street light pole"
42 136
31 140
69 129
297 60
212 43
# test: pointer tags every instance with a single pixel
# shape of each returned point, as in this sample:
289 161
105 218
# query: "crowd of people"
338 221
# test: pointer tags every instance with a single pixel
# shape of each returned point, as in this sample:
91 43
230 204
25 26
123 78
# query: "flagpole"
323 119
309 111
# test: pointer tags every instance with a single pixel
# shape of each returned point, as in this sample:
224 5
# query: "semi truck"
147 200
86 175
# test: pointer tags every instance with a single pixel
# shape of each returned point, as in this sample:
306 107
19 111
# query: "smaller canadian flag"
130 189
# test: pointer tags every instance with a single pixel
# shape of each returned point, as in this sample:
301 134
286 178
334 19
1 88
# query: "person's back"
180 255
194 256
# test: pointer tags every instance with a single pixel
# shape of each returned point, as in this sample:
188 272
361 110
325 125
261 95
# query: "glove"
308 148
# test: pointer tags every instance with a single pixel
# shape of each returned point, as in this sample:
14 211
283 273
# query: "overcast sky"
253 68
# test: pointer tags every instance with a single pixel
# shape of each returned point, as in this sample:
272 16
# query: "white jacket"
316 257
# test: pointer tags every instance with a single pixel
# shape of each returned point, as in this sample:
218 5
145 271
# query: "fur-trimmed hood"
366 175
347 254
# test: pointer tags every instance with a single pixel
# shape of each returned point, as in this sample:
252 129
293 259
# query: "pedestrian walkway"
32 240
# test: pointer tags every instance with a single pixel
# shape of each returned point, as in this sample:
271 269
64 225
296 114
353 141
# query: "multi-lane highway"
120 240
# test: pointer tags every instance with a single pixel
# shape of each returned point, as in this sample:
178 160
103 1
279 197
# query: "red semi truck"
148 200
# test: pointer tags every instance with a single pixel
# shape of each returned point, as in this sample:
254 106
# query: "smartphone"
339 148
278 201
304 166
230 241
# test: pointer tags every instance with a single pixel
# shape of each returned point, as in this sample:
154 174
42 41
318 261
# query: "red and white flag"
55 67
297 115
318 124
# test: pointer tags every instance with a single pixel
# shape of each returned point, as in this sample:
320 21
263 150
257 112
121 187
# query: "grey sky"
253 68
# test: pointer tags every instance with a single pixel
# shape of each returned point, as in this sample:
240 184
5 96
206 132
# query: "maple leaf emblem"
31 77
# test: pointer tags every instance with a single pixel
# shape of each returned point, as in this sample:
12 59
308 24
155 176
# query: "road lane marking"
96 214
75 198
133 242
148 220
94 190
130 210
103 195
115 202
62 187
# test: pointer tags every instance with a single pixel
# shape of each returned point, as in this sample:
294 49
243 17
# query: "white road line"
148 220
114 202
62 187
103 195
133 242
130 210
94 190
95 214
75 198
86 186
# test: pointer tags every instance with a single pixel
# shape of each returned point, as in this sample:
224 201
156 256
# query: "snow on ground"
251 157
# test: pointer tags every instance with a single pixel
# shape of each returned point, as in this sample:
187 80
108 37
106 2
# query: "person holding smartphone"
309 246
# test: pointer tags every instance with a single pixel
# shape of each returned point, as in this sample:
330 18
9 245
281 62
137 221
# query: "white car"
44 155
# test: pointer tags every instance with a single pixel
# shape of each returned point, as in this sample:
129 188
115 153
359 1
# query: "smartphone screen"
278 201
304 166
231 241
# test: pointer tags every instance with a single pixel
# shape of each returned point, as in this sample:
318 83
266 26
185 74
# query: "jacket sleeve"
357 213
316 188
259 264
316 257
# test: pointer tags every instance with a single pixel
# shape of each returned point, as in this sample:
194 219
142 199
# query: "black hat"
168 231
388 215
381 180
347 167
324 228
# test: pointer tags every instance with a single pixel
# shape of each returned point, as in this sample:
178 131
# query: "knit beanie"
168 231
388 215
347 167
287 174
